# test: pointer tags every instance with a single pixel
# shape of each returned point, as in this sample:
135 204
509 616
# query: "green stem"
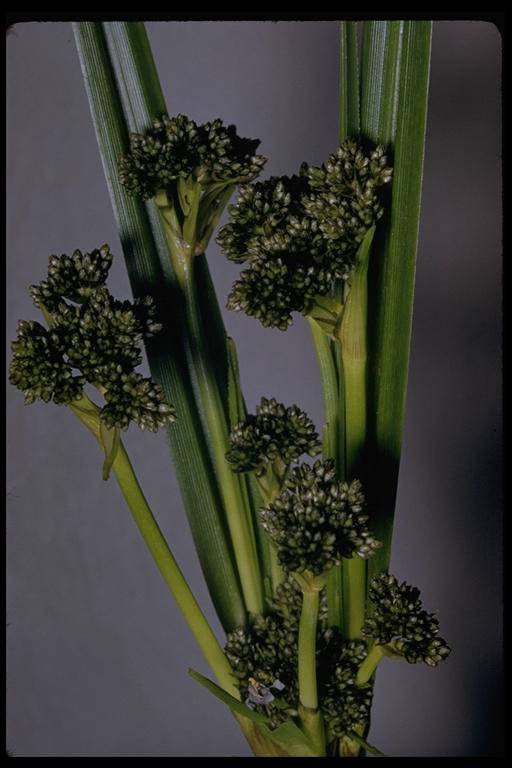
354 588
307 649
352 337
171 572
276 572
238 517
333 445
333 417
308 696
369 665
364 744
88 413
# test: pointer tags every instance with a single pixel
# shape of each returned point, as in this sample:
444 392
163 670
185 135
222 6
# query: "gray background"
97 651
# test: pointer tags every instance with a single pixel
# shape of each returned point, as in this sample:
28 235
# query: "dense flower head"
273 432
262 209
176 147
93 338
317 519
73 277
298 235
398 618
267 651
38 367
343 198
345 705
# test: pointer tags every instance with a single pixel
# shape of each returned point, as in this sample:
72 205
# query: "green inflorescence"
298 235
318 519
177 148
267 652
92 338
398 620
345 705
274 432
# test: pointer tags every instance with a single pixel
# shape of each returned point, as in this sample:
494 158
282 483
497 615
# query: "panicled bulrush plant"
295 553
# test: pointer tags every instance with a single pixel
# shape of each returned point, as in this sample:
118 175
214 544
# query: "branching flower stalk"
189 171
305 627
93 338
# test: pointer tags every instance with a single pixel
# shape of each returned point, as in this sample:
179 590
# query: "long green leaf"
142 101
349 80
146 268
329 354
395 73
234 704
290 737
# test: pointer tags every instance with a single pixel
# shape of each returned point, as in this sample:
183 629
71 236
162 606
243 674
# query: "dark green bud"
344 705
38 367
273 432
73 277
297 236
262 209
93 334
317 519
130 397
177 148
398 619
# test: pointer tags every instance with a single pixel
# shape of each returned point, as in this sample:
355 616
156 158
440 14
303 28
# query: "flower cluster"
274 432
176 147
317 519
298 235
398 618
345 705
92 338
266 653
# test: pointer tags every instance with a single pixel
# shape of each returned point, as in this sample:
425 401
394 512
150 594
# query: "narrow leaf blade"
226 698
140 242
396 60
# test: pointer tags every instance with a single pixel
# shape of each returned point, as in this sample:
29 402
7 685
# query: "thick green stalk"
353 341
333 414
369 665
333 445
329 355
308 694
395 74
149 271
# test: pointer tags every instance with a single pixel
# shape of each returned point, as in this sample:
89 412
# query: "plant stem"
364 744
369 665
242 535
352 337
171 572
238 517
307 649
333 446
123 470
333 416
308 696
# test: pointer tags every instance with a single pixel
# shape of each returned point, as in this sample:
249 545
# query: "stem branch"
238 517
